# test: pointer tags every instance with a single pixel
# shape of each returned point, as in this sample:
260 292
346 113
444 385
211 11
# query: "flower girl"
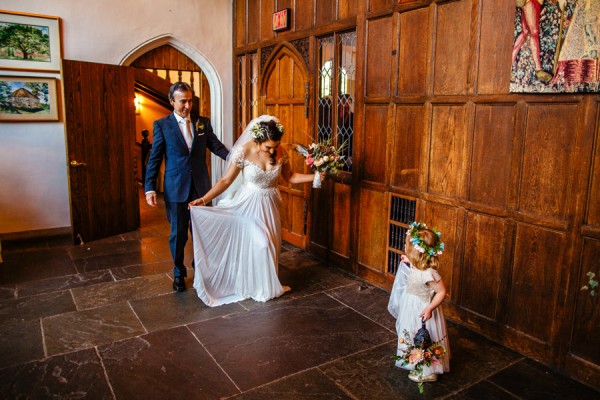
417 292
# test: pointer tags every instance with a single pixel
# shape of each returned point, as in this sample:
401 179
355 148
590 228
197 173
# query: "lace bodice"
417 283
256 177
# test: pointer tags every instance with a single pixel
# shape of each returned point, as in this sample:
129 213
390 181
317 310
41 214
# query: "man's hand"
151 199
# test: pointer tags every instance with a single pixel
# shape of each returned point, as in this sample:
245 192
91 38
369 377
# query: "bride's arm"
294 177
222 185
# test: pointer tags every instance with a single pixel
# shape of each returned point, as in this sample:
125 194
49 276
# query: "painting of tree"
24 42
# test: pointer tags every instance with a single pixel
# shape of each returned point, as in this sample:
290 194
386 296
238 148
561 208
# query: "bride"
237 243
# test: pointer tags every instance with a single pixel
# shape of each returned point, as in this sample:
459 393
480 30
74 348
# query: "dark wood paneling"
375 154
254 22
326 11
372 229
447 159
534 289
482 266
495 46
407 146
492 155
593 214
240 22
347 8
452 56
266 19
414 47
304 14
549 159
378 5
587 311
340 240
379 58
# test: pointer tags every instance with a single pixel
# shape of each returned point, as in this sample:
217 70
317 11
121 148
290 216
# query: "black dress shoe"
179 284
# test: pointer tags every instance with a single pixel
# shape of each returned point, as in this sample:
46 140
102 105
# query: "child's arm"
440 293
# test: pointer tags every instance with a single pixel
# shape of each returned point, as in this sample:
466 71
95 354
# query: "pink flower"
309 160
415 356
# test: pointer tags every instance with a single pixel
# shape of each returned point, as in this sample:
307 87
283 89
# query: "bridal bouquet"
424 355
322 158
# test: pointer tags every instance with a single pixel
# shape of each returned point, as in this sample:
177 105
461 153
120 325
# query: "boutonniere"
199 125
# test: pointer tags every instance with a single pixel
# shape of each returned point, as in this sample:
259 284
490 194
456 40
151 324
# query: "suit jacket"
182 167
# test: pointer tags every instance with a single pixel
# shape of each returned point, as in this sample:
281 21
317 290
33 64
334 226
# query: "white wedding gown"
237 243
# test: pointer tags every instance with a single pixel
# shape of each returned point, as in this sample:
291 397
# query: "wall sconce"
138 105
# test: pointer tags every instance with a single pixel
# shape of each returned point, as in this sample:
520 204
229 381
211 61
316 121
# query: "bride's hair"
271 131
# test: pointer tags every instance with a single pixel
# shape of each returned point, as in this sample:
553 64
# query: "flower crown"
259 132
419 244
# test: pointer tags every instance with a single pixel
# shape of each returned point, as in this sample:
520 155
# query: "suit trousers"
179 219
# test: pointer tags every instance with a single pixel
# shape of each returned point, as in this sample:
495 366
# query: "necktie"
187 132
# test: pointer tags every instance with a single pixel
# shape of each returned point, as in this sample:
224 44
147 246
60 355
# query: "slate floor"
100 321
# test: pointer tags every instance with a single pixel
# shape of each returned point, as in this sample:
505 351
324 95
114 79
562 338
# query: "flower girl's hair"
423 245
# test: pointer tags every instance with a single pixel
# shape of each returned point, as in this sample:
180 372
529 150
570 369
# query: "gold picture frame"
24 98
42 51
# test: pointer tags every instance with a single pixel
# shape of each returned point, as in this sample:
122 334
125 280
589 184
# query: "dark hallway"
100 321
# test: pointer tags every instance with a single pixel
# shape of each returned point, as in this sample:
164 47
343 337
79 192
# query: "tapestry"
556 46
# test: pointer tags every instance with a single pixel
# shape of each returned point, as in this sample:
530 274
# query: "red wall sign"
281 20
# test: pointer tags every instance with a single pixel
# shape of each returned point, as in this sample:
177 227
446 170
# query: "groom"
183 145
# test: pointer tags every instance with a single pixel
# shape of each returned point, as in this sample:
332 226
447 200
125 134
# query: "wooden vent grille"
402 212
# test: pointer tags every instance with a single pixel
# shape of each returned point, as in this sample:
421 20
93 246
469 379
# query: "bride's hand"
197 202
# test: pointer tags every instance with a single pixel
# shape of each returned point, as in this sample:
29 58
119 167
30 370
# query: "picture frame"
24 98
43 49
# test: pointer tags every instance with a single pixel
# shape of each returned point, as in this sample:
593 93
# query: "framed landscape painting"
28 99
29 42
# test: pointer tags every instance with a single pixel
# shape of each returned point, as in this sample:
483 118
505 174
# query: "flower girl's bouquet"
322 158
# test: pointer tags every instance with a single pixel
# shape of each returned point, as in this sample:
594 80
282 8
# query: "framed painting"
28 99
556 47
29 42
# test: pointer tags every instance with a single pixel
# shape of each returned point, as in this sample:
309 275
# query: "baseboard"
62 235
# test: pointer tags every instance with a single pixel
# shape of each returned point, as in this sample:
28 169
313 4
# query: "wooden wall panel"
482 268
375 144
379 58
446 220
406 150
326 11
538 256
490 166
587 312
304 14
347 8
414 47
340 239
267 8
451 61
378 5
593 212
253 15
372 229
495 46
549 159
286 70
447 158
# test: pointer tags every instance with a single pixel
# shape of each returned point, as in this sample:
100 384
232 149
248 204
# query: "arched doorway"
283 93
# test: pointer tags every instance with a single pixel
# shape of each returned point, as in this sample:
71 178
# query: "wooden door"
285 84
100 122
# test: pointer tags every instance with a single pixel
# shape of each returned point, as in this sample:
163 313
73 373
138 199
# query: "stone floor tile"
20 342
483 390
168 364
83 329
309 385
34 307
139 256
297 259
104 247
35 265
176 309
8 291
269 343
368 300
115 292
63 283
134 271
75 375
160 248
530 380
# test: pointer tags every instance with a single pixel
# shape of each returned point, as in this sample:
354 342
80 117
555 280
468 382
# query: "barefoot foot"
286 289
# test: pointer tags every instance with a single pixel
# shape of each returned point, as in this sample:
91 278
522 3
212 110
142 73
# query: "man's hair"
178 87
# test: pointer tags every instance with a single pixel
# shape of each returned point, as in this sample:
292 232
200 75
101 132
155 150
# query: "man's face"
182 103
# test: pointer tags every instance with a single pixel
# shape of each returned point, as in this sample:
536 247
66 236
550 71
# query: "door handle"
76 164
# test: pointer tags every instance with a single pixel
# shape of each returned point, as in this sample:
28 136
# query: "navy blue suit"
186 175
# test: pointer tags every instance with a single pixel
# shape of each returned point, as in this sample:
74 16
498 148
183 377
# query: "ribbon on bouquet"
317 180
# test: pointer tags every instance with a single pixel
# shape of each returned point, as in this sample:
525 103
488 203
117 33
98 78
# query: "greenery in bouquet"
323 157
419 356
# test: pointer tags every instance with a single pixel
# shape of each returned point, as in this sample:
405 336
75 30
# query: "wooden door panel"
372 229
379 60
100 120
412 63
593 214
407 146
340 240
375 154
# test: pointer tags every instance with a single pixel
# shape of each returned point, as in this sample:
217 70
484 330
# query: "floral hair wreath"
419 244
259 132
